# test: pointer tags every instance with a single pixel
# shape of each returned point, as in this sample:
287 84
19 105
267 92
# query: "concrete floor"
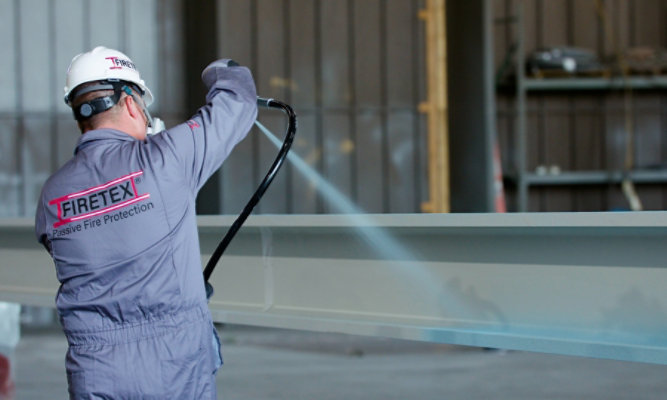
283 364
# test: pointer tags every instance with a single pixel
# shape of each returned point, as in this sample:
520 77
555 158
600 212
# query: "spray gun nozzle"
262 102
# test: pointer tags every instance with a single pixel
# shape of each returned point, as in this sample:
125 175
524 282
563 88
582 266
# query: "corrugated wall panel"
272 42
332 30
10 201
302 53
170 85
587 149
554 21
370 78
106 24
303 95
271 74
337 153
237 42
647 147
38 39
556 140
353 73
8 43
69 38
304 191
587 145
557 145
70 26
33 35
404 196
401 59
402 129
353 70
141 41
650 131
368 50
277 197
9 171
371 164
581 30
648 20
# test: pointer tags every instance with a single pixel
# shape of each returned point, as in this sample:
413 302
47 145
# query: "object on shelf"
564 61
646 60
543 170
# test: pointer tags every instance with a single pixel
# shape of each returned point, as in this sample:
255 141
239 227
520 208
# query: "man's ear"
129 101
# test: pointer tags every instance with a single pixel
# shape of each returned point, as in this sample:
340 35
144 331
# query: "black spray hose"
282 154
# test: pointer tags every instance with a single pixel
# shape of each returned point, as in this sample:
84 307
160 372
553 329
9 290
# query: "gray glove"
209 76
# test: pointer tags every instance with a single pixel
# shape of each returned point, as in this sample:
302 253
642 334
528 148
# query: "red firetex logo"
118 63
98 200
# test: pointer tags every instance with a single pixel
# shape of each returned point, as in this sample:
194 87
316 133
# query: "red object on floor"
6 383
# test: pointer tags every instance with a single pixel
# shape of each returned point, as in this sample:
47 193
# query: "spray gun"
277 163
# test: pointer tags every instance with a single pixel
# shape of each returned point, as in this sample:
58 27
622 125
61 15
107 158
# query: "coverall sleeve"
204 142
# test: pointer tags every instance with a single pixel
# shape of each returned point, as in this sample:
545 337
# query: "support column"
436 107
471 90
201 49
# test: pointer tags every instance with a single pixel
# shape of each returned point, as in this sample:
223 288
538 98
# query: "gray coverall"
119 221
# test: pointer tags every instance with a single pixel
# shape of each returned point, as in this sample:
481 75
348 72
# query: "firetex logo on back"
97 200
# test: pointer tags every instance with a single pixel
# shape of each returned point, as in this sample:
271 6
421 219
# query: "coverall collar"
98 135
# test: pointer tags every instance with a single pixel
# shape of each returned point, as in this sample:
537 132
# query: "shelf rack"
522 85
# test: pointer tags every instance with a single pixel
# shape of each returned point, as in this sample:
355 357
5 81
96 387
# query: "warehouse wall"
354 72
586 131
38 39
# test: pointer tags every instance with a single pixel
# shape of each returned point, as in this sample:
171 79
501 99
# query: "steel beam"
586 284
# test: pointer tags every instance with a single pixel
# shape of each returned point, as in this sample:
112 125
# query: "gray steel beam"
585 284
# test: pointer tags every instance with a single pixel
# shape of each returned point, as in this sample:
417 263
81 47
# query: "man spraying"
119 221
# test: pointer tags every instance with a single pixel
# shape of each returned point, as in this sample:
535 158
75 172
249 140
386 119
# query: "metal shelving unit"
568 84
523 85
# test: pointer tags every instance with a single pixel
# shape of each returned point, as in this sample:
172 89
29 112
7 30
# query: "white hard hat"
102 64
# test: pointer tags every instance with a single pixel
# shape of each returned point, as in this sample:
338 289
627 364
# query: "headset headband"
93 107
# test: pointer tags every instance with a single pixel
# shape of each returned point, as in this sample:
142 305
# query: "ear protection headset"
98 105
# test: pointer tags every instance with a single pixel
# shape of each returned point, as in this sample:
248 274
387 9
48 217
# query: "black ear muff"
93 107
85 110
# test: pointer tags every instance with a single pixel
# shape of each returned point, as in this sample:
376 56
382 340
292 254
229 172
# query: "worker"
119 222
